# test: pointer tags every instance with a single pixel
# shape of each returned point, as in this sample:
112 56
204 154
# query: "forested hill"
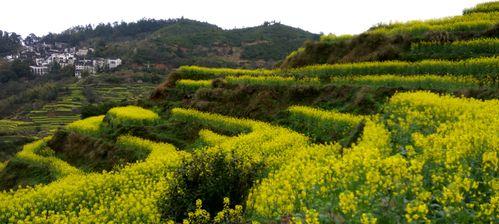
182 41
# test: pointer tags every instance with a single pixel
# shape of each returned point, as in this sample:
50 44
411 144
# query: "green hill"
393 141
182 41
470 35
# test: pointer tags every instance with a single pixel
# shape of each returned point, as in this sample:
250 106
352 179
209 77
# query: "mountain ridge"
183 41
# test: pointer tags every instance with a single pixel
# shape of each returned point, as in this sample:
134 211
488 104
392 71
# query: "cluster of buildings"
42 56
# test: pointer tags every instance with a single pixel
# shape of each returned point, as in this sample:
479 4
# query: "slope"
413 40
182 41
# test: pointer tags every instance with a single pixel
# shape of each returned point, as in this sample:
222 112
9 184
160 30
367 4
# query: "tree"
14 70
9 43
31 39
21 69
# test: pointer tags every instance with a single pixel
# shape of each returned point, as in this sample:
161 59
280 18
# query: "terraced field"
45 120
389 159
377 142
56 114
14 133
66 108
128 92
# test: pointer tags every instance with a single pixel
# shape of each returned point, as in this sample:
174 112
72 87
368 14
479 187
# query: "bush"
227 215
208 176
90 110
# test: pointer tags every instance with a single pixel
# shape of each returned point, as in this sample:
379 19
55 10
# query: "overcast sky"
327 16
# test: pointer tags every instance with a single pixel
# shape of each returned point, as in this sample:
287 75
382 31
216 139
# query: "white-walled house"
82 52
39 70
113 63
84 66
62 58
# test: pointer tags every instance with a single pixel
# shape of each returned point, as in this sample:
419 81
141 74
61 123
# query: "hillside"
182 41
375 141
472 34
34 109
56 99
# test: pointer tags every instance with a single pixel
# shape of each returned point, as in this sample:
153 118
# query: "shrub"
90 110
209 176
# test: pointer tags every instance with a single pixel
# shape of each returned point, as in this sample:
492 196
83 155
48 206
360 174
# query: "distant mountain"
182 41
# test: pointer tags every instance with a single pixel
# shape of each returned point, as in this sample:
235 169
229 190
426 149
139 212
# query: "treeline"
13 71
9 43
192 42
30 97
19 70
107 31
16 77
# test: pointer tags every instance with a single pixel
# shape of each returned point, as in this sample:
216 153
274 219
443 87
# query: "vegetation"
13 135
432 82
455 50
399 155
270 80
365 142
474 22
48 103
88 126
33 165
176 42
107 32
135 183
483 7
10 43
483 69
130 115
196 72
192 85
323 126
14 71
42 93
393 41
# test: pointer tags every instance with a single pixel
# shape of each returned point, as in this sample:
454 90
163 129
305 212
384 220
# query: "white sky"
333 16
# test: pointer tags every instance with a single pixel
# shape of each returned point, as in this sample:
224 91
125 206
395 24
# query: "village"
42 55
